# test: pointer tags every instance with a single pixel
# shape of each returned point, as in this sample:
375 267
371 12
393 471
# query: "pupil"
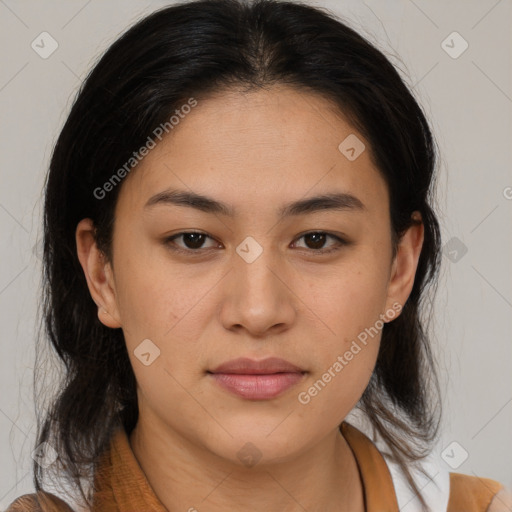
198 240
320 240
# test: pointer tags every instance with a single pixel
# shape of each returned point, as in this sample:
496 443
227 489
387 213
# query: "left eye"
194 240
318 238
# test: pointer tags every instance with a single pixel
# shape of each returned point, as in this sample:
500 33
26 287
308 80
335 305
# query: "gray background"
468 100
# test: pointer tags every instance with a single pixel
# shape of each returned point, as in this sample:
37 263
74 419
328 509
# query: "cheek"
164 310
153 295
349 304
345 354
351 298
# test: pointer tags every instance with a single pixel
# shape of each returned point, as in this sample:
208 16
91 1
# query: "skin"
254 151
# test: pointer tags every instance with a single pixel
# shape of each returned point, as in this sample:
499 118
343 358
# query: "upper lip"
244 365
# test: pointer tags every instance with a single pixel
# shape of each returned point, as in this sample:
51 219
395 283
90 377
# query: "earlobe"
405 263
97 273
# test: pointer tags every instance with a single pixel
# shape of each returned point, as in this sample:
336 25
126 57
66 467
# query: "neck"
187 476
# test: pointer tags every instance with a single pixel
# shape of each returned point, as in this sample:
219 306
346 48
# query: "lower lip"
257 387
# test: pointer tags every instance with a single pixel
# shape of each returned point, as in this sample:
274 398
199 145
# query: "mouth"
257 380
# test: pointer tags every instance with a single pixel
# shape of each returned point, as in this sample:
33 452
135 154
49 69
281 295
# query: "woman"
238 237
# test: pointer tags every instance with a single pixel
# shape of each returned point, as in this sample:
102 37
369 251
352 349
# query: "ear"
404 266
98 273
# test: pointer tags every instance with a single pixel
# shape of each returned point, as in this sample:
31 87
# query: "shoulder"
476 494
40 501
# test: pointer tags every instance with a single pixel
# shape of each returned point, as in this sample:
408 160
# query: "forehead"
256 148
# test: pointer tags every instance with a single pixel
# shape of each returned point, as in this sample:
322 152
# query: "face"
258 279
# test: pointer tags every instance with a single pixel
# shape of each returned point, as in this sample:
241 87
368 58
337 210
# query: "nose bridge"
255 262
259 298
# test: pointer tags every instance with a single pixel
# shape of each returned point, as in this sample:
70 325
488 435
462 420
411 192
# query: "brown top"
121 485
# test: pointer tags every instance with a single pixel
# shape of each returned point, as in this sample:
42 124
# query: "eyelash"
169 242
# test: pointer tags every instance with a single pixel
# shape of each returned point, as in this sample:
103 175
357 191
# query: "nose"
259 294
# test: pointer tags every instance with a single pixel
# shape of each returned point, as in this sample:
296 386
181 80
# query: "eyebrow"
339 201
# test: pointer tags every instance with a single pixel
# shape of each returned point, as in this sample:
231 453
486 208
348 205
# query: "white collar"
435 490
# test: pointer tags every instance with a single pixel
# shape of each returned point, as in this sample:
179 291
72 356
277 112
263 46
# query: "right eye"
193 241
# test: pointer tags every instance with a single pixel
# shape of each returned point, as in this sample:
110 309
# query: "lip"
246 366
257 380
